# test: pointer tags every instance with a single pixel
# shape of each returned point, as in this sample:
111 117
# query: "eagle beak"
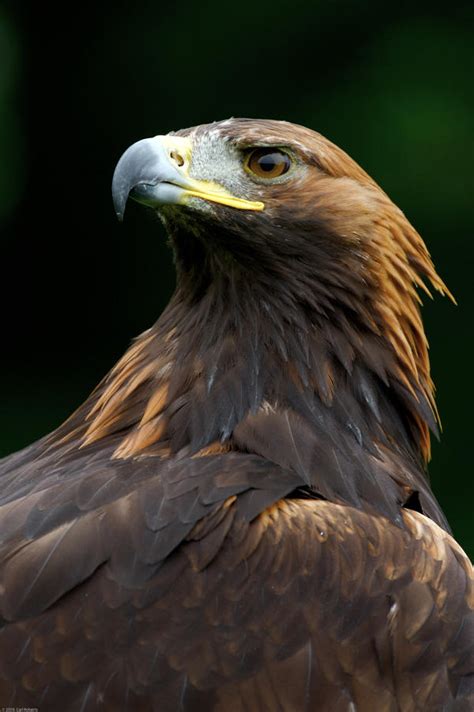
155 171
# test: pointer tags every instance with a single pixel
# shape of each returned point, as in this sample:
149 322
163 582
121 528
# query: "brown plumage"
239 517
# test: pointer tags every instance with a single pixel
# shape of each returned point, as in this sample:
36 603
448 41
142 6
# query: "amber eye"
268 162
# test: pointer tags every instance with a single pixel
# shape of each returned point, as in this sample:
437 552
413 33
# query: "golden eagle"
238 518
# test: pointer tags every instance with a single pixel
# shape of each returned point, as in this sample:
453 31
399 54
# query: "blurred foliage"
392 84
11 143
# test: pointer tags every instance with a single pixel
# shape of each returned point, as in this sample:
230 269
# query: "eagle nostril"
177 158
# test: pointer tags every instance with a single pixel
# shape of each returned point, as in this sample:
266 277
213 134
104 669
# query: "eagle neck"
255 357
259 370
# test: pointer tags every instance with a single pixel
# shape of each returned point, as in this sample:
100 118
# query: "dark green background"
392 84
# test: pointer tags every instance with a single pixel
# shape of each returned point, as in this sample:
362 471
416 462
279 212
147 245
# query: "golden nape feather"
239 516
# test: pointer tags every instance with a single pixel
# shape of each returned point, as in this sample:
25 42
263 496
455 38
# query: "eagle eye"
267 162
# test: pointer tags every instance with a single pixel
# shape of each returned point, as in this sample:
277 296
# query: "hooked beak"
155 171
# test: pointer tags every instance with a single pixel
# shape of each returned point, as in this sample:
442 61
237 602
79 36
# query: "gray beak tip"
120 202
120 193
139 164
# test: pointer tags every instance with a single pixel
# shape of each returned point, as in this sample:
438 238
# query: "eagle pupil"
268 163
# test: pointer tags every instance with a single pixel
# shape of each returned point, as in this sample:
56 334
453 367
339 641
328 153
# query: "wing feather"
305 600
